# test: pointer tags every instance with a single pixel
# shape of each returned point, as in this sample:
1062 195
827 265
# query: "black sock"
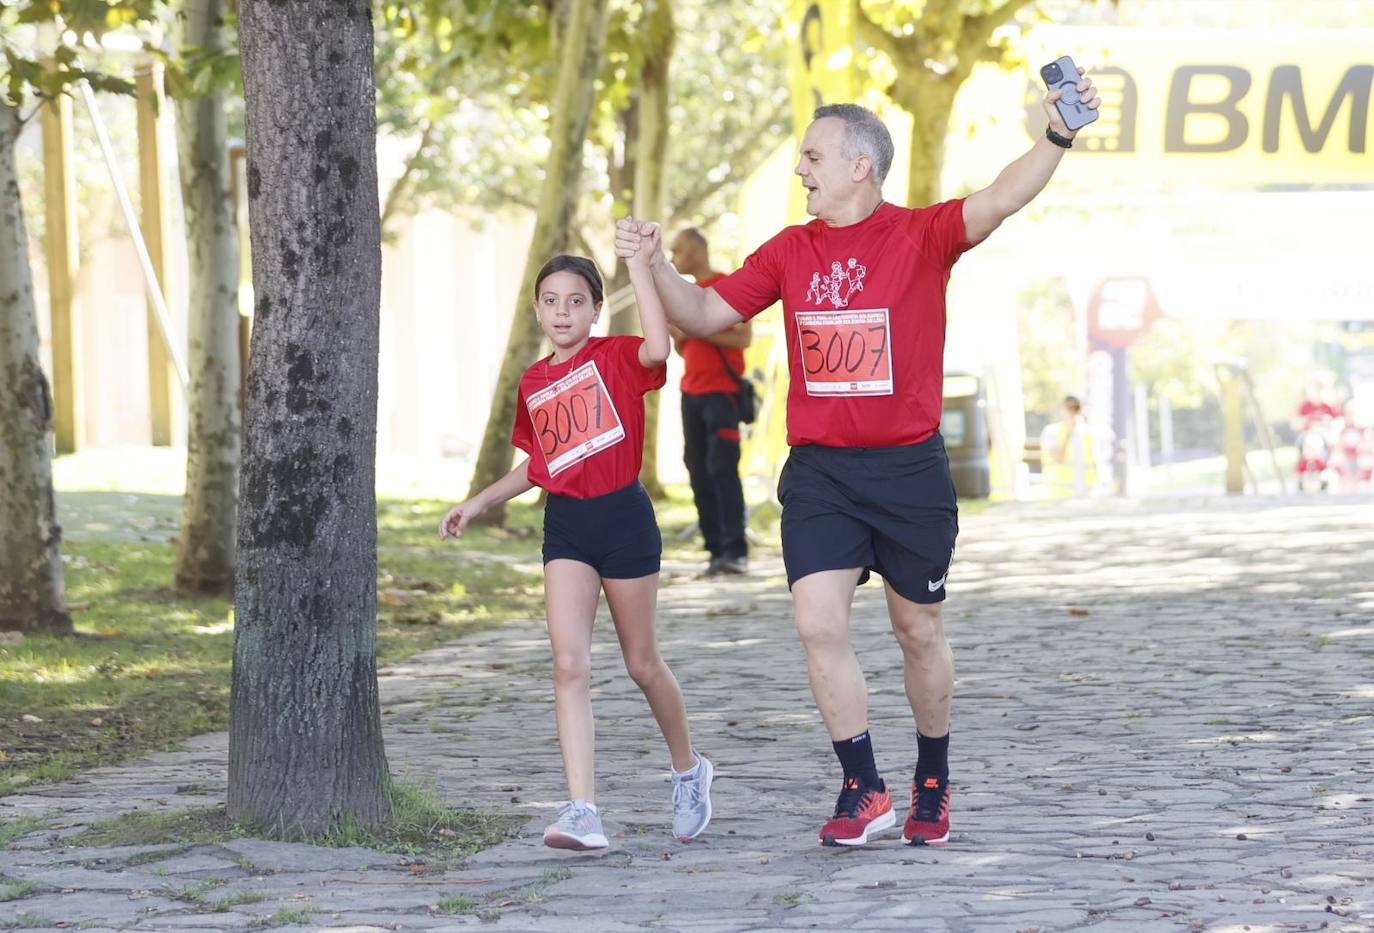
932 757
856 757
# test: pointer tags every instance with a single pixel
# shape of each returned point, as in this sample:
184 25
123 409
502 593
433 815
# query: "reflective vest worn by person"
1067 459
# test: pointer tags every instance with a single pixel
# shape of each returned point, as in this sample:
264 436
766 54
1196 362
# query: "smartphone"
1062 75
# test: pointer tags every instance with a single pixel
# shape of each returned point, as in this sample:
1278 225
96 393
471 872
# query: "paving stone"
293 856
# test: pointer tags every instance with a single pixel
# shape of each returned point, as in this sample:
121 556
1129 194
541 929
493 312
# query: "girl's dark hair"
578 265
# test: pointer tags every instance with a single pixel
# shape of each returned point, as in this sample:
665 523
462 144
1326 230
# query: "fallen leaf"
1074 611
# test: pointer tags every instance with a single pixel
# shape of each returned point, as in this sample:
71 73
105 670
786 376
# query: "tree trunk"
32 596
930 105
650 162
571 107
305 739
622 183
958 40
205 550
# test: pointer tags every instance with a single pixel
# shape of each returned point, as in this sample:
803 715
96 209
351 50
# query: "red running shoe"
928 822
860 810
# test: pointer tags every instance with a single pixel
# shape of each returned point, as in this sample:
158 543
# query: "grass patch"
195 826
11 830
422 826
229 902
457 904
27 921
195 893
148 858
287 917
14 890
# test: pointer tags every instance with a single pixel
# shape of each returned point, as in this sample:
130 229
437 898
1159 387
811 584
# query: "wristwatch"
1063 142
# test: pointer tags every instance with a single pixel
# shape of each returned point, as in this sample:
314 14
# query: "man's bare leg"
928 668
820 608
927 661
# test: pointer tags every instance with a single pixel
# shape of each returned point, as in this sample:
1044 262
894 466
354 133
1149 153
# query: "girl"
581 420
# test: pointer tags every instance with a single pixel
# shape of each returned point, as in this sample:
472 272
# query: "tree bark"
305 740
650 163
622 182
585 38
205 550
32 595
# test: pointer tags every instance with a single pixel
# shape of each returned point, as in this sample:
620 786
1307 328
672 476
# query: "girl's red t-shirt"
582 420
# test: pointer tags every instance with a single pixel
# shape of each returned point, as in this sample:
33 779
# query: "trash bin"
964 425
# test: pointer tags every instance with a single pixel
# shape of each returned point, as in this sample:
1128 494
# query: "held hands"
457 519
638 241
1087 95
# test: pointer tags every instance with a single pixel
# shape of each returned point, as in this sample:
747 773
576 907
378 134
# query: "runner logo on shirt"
839 286
574 418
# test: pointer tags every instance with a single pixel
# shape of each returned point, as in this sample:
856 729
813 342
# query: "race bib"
846 352
574 418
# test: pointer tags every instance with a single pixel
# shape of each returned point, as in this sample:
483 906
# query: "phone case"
1062 75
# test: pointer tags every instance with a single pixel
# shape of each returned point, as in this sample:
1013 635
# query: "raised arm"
653 352
697 312
1019 183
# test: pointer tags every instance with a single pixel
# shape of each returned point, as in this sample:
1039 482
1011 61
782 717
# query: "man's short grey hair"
864 135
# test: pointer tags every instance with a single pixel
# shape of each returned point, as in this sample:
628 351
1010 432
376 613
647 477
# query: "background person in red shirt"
867 486
710 418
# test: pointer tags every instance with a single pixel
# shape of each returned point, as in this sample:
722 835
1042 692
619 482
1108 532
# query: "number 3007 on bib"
846 352
575 418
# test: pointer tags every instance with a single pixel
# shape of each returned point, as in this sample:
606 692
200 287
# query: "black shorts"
617 534
887 509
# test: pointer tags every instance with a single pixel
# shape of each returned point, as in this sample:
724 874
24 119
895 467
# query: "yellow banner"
1233 109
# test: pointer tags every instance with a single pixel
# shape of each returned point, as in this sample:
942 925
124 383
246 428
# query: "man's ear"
863 168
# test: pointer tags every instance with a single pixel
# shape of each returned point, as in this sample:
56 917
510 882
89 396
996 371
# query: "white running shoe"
578 827
692 800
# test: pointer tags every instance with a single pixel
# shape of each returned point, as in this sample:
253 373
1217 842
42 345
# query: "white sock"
588 804
692 770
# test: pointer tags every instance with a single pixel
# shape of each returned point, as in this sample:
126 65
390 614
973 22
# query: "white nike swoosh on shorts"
936 584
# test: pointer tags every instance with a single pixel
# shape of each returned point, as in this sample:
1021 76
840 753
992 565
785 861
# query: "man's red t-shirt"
582 420
864 308
703 370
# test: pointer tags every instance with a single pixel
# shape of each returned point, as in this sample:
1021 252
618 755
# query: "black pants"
710 427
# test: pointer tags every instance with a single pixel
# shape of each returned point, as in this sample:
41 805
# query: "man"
1067 457
713 367
867 485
